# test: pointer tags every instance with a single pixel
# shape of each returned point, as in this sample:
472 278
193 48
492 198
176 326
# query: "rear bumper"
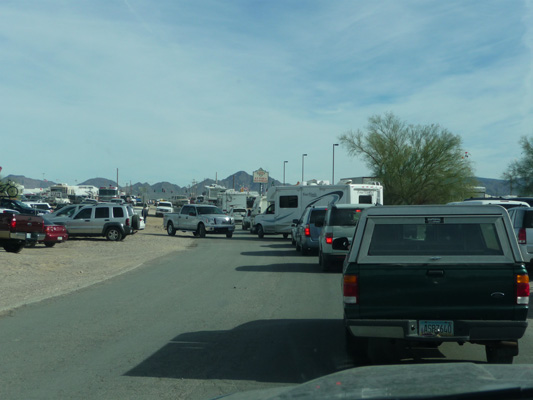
34 236
464 330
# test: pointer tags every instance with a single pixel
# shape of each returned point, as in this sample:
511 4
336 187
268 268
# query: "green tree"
520 172
417 164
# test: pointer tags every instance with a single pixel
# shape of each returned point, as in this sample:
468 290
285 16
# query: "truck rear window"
435 239
344 217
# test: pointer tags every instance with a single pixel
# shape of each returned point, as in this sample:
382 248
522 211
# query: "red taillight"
522 236
13 223
307 231
522 289
350 289
127 222
329 238
48 229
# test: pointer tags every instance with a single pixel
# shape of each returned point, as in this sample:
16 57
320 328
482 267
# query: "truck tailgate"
436 292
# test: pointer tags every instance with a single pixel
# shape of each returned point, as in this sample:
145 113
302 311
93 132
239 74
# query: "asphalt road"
224 316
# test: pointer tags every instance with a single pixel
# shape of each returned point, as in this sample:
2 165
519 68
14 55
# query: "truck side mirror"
341 244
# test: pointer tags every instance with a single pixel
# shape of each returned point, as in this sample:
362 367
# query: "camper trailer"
289 202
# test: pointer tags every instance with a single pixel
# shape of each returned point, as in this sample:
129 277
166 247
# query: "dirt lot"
41 272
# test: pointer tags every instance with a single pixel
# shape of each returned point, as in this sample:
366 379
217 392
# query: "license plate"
435 328
28 235
60 238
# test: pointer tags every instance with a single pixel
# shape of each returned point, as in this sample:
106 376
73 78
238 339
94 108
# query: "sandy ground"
38 273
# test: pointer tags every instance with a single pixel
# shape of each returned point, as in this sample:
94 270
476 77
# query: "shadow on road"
279 351
313 268
283 351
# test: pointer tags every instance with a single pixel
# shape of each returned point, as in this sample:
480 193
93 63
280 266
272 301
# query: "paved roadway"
224 316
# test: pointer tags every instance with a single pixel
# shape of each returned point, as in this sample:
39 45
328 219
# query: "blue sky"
185 90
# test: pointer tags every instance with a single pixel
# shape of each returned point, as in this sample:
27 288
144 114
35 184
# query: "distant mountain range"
241 179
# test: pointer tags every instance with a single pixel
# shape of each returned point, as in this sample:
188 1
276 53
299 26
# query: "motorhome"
231 199
287 203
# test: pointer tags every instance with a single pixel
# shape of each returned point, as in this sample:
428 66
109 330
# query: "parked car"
522 220
66 211
113 221
340 221
55 232
18 206
424 275
308 229
42 208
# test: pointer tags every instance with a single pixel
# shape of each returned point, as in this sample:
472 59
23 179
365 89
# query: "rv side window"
365 199
288 201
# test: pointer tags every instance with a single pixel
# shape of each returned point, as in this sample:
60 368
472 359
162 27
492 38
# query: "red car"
55 233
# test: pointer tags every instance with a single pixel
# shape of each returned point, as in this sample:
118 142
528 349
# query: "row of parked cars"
111 220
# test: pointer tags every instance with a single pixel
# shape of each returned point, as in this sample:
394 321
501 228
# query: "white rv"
289 202
231 199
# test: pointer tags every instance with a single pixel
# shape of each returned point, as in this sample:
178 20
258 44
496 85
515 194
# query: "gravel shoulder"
38 273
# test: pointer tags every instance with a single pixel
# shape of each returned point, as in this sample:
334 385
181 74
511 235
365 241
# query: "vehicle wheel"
49 244
356 347
170 229
113 234
298 247
195 234
285 235
293 242
304 250
201 230
12 191
135 222
323 263
260 232
229 234
15 247
498 354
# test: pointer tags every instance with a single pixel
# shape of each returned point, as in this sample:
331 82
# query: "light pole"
284 163
303 155
333 169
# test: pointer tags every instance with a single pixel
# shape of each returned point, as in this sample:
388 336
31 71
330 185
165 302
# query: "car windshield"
209 210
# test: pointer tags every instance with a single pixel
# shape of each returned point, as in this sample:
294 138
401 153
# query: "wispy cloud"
178 90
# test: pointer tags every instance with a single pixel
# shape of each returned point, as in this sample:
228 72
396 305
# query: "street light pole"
333 168
284 163
303 155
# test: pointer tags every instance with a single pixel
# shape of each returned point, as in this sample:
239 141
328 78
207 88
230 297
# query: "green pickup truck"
424 275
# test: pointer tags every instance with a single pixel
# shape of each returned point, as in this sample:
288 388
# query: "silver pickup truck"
199 219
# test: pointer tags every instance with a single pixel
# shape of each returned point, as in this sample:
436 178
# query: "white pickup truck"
199 219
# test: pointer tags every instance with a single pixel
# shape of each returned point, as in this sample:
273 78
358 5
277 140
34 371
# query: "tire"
135 222
298 247
14 247
170 229
49 244
356 347
285 235
293 242
260 232
201 230
304 250
229 234
12 191
498 354
323 262
113 234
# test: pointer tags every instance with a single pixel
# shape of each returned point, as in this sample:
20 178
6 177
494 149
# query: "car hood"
421 381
